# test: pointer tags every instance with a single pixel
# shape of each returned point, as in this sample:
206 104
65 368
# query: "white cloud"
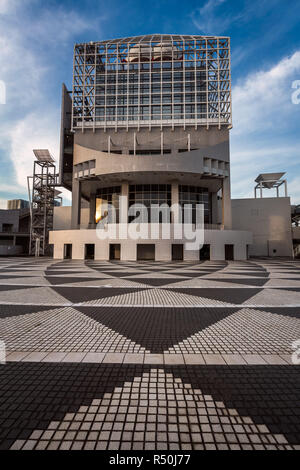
265 137
29 119
35 131
8 6
206 19
263 100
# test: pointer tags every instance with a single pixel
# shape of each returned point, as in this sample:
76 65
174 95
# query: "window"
194 195
150 195
108 197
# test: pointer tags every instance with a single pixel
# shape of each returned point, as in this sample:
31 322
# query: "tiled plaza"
149 356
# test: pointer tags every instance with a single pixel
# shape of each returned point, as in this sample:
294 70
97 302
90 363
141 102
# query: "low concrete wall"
62 217
217 239
269 219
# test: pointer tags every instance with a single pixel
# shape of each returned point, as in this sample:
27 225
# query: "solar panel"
43 155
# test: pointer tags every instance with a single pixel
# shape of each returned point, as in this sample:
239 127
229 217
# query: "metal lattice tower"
42 200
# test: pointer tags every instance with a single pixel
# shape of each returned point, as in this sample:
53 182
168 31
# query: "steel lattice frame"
158 80
42 207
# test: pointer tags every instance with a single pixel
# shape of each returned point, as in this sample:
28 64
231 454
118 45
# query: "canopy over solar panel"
43 155
269 180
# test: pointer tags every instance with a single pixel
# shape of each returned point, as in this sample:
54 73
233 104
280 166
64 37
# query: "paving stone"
54 357
173 356
273 359
114 358
154 359
213 359
233 359
16 356
93 357
74 357
35 357
173 359
254 359
194 359
131 358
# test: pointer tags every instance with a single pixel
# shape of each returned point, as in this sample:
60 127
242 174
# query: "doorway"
177 252
89 251
114 252
68 251
204 253
145 253
229 252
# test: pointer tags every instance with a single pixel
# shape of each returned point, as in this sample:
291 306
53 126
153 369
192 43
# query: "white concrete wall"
269 219
62 218
216 238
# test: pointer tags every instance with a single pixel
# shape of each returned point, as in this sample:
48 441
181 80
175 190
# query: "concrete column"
226 204
58 252
217 252
240 251
92 210
128 250
78 250
214 209
124 205
191 255
76 204
175 200
102 250
163 250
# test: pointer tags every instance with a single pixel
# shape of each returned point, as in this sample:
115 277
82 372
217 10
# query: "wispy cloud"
28 58
207 20
266 135
263 99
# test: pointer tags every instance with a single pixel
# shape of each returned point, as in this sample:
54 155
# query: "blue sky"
36 48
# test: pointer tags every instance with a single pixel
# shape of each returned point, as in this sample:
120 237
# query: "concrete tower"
149 120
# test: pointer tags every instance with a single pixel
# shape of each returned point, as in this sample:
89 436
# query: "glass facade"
194 195
149 195
152 80
104 198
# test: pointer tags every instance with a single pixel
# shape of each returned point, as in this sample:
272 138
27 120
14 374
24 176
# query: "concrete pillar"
163 251
58 251
78 250
76 204
217 252
92 210
214 209
124 204
128 250
101 250
240 251
226 204
175 200
190 255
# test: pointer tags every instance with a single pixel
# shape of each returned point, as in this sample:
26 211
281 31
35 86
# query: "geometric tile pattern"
118 407
69 327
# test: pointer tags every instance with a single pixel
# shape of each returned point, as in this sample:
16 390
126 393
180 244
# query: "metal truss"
42 201
158 80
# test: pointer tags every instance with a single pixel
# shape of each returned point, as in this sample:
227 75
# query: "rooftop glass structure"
155 80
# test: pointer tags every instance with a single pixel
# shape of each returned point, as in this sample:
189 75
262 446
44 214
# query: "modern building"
17 204
149 119
14 231
270 219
